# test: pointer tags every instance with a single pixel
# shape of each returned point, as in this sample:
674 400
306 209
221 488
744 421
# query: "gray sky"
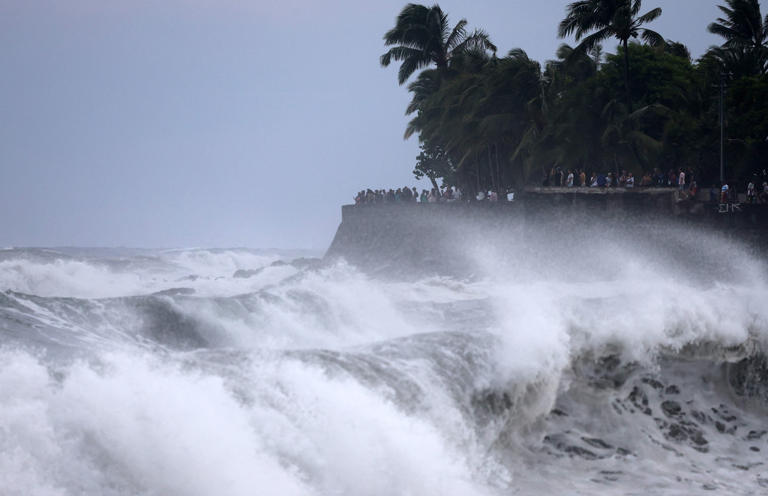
160 123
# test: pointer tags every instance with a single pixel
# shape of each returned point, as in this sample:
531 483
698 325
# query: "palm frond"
652 38
594 39
765 26
479 39
581 16
529 139
564 51
458 35
407 25
720 29
400 53
649 16
652 109
742 24
409 66
644 142
518 55
412 128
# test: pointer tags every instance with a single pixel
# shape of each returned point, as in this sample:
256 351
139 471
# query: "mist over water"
592 361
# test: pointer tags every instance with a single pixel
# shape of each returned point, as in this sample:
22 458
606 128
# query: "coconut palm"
568 129
605 19
624 137
422 36
571 66
746 36
429 81
484 116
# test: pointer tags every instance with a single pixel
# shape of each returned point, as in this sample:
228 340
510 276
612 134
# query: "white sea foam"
208 272
332 382
135 426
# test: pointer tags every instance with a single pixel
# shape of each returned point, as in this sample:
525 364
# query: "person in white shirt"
630 181
569 181
681 180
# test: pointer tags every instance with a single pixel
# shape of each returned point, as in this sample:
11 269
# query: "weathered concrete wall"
403 237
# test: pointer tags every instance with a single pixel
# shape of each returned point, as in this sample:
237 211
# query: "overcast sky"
219 123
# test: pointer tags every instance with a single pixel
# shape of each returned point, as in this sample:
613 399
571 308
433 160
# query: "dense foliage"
489 122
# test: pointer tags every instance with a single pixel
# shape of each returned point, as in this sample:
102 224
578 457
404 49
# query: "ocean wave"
324 379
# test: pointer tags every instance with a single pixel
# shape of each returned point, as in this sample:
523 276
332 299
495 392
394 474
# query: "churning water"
606 367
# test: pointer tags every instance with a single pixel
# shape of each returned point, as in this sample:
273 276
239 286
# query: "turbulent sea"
627 368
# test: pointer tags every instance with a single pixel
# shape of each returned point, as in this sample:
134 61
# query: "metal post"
722 128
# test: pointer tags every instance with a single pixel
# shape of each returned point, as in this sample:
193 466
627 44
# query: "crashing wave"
308 378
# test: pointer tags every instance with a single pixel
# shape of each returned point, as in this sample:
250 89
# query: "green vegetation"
422 37
619 19
489 122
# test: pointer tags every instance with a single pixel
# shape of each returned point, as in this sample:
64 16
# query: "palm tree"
485 115
610 19
429 81
422 37
745 33
475 119
571 66
570 122
624 138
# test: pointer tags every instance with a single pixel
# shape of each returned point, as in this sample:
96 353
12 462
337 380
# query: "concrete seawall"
402 237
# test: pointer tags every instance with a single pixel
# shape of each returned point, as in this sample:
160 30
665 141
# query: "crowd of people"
757 196
569 178
682 179
445 194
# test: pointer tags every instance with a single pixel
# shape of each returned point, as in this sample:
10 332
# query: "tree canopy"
745 34
422 36
606 19
491 122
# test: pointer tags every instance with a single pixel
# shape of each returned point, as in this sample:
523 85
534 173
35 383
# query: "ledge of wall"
403 237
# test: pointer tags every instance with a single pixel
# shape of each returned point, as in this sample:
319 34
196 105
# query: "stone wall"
403 237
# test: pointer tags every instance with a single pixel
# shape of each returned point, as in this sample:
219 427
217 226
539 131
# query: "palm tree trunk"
502 192
491 172
434 183
626 76
490 167
477 175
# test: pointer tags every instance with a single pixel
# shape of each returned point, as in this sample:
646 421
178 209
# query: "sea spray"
325 379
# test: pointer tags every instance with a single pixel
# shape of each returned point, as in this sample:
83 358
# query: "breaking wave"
198 372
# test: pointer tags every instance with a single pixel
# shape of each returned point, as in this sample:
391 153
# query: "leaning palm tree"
422 37
610 19
428 82
745 33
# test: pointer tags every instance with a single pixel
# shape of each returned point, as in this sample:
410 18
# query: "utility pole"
722 128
